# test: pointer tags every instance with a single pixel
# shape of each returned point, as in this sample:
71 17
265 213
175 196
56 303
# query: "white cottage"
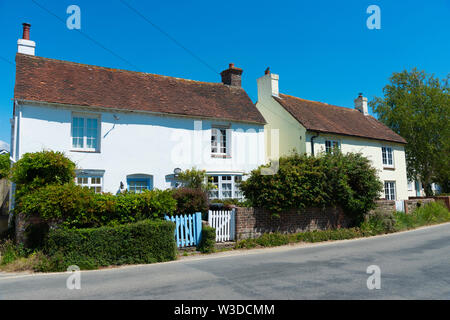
134 130
312 127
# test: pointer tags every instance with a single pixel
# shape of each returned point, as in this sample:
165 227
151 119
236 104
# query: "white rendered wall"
372 150
139 143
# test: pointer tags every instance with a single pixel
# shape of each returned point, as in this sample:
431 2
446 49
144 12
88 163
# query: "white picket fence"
224 222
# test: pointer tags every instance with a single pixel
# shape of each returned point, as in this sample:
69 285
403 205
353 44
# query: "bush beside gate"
142 242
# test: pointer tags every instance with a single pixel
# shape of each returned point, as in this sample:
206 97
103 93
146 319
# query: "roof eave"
111 109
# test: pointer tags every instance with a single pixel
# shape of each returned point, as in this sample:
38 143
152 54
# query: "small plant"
195 179
207 244
378 222
190 200
10 252
5 164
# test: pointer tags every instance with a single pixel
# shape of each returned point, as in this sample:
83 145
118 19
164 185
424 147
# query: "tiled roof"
62 82
322 117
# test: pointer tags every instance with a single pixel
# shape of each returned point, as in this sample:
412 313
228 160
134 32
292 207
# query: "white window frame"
218 192
385 151
333 143
227 138
410 185
89 174
390 192
86 116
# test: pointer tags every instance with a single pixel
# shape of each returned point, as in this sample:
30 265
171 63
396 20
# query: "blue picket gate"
188 229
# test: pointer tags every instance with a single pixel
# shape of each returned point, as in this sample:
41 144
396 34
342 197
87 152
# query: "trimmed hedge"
208 240
142 242
78 207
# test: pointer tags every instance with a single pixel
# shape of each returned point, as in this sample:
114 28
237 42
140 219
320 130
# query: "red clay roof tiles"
322 117
63 82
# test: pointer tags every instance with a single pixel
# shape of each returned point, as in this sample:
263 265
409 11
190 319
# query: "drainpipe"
312 143
13 158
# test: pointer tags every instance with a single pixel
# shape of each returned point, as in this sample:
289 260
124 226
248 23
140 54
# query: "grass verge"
375 224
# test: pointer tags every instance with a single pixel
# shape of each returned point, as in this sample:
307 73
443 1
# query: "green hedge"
207 244
142 242
302 181
77 207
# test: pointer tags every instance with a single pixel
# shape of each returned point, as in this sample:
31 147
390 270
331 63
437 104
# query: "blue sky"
322 50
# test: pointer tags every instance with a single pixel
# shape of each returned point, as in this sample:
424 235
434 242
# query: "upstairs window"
388 156
331 145
219 142
85 132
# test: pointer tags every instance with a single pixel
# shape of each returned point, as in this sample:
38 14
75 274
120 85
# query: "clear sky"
322 50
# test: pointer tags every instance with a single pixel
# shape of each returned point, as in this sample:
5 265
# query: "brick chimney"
361 104
232 76
25 45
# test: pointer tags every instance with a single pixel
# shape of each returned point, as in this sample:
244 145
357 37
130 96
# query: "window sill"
220 156
389 168
85 150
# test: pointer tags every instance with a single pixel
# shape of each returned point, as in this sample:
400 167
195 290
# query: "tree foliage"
416 105
39 169
305 181
195 179
4 165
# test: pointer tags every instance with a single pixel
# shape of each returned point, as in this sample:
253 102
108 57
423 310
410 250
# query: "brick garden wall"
388 206
253 222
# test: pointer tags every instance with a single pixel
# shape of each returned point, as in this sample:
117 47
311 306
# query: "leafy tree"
39 169
302 181
4 165
416 105
195 179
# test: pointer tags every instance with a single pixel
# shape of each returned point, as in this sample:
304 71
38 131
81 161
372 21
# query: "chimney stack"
361 104
268 85
25 45
232 76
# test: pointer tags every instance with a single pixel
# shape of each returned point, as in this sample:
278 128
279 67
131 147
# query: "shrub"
208 240
378 222
77 207
190 200
430 213
227 203
38 169
4 165
195 179
277 239
304 181
9 252
141 242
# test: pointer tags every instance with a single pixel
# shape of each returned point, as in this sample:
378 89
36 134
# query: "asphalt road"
413 264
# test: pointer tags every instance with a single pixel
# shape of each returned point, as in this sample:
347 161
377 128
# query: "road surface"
413 264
